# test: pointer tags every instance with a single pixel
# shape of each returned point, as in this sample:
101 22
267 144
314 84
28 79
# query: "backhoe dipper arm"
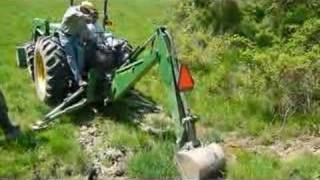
159 49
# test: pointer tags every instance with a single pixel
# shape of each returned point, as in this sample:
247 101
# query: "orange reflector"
108 23
185 81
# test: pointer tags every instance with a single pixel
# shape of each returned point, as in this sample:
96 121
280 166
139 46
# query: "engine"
105 52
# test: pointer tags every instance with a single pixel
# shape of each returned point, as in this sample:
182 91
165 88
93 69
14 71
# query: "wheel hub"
40 73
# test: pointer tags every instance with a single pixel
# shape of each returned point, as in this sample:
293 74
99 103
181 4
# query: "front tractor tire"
52 75
30 59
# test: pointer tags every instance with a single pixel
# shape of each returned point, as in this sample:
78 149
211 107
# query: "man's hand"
95 15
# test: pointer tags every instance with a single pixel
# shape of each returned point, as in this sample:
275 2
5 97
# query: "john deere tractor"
113 68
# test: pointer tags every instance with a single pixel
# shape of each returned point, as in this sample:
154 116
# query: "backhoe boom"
158 50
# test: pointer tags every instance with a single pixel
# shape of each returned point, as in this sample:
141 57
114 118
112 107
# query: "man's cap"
87 5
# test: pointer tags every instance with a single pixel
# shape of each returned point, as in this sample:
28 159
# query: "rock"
117 170
36 174
92 131
93 174
83 128
113 154
68 171
120 169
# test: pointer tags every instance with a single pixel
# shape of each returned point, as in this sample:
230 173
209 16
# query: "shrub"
271 53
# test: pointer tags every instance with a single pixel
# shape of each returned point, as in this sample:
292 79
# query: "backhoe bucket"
201 163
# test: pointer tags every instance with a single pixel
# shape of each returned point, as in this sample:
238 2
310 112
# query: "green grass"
133 20
42 151
265 167
153 162
153 157
127 137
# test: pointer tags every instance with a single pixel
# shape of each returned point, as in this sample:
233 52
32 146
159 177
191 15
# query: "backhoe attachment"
194 160
159 50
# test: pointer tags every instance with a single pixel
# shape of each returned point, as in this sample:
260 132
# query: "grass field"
59 147
133 20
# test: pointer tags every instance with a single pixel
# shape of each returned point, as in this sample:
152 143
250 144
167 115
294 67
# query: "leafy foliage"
269 51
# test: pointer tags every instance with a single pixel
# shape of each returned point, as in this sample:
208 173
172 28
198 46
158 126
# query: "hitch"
70 104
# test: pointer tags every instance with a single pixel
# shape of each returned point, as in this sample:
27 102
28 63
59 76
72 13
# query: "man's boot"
11 131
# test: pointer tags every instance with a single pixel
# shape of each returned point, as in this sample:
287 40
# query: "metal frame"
105 13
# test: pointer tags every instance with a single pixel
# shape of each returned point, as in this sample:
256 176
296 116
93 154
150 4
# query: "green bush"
271 54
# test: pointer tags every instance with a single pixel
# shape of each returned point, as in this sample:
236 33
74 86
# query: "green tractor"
116 69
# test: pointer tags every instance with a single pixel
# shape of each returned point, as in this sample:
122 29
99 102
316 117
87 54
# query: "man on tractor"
11 131
74 30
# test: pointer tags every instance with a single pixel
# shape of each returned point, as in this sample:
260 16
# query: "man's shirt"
74 22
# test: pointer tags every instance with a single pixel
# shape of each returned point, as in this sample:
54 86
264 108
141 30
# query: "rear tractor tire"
52 76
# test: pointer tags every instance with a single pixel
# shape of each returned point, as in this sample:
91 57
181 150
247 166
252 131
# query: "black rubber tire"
30 59
52 75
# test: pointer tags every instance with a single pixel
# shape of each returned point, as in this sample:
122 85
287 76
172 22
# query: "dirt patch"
111 162
105 161
282 148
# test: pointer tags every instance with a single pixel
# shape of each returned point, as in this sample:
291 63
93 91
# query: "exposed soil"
105 161
285 149
110 162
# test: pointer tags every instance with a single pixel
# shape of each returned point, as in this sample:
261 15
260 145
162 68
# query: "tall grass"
264 167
